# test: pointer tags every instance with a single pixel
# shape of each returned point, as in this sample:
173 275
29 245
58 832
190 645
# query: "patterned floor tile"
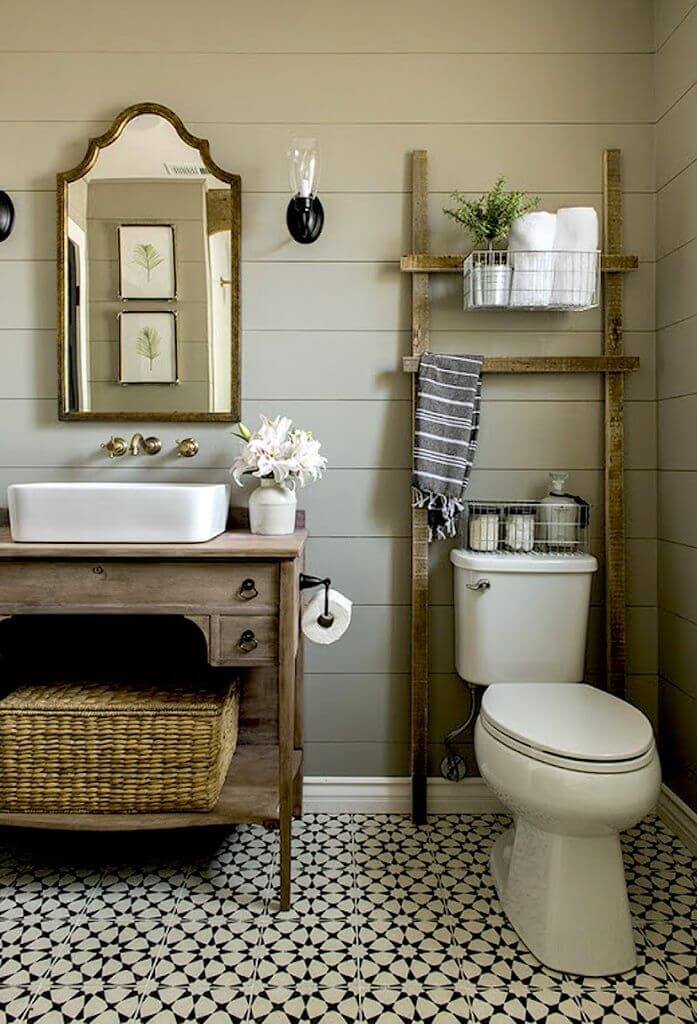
308 955
492 955
319 894
440 1006
314 857
45 891
549 1006
399 892
390 922
677 943
27 948
286 1006
104 952
408 953
64 1005
180 1006
217 952
14 1003
609 1006
404 858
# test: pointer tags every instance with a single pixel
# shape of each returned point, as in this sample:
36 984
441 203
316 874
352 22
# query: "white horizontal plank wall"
676 362
534 90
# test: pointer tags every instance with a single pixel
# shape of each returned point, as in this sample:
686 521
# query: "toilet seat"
573 726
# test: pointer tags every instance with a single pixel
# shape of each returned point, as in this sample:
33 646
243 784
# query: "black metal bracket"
7 216
326 619
305 218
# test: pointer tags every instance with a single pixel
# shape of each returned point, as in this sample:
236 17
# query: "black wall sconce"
7 216
305 213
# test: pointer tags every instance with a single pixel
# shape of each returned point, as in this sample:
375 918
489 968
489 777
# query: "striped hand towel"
448 397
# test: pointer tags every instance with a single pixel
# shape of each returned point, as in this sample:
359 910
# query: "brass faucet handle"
116 446
152 445
187 448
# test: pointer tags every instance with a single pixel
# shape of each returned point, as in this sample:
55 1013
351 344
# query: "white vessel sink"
131 513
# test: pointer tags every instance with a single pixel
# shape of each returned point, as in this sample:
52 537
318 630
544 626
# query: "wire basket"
527 527
527 279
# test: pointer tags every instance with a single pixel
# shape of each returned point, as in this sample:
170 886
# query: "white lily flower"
276 450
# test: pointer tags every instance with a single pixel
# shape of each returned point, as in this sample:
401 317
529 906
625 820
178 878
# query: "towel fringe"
448 508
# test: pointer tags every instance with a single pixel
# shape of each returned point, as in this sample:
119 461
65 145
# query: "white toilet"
573 764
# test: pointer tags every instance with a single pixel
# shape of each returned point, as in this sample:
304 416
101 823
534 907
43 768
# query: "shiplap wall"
534 89
676 312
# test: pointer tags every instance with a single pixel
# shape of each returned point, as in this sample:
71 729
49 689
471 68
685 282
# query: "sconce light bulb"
305 214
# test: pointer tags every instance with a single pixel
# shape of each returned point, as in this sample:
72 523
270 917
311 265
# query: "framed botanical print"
148 347
147 261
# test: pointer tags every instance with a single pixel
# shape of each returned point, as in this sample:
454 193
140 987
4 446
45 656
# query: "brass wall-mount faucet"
117 446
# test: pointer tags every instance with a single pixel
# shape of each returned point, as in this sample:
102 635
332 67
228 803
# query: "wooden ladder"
613 364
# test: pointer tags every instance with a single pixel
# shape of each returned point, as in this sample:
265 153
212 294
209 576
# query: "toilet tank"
527 619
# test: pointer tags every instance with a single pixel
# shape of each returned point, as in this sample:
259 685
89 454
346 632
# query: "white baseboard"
680 818
383 795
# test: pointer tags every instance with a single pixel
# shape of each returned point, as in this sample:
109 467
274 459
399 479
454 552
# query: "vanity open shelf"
241 593
250 795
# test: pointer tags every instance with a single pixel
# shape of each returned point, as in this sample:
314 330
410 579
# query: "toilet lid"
571 720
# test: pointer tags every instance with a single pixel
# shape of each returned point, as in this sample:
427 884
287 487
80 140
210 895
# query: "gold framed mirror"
148 276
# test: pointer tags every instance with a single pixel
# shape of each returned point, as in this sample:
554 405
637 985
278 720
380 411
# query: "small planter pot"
492 285
272 508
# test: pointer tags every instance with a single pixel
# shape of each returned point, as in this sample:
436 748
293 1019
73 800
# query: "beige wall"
534 89
676 352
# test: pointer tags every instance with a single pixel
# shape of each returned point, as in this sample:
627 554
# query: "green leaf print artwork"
146 256
148 344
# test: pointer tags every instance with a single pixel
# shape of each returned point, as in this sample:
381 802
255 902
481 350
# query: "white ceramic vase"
272 508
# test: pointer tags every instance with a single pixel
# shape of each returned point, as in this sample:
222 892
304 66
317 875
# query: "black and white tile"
390 923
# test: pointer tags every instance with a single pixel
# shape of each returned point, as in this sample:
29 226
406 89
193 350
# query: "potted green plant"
488 220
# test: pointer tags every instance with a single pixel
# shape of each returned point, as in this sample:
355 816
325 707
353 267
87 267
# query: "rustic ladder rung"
546 364
428 263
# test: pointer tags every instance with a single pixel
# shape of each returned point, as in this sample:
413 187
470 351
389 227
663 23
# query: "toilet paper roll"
339 606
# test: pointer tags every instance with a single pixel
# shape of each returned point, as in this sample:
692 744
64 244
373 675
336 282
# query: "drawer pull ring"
247 641
248 590
98 570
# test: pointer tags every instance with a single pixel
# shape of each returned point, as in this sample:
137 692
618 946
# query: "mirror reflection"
149 276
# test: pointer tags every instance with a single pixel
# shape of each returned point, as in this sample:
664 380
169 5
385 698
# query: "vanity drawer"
252 586
246 640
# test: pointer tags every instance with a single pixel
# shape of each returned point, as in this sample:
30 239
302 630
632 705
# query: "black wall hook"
326 619
7 216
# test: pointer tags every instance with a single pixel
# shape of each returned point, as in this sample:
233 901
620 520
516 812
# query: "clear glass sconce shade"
303 166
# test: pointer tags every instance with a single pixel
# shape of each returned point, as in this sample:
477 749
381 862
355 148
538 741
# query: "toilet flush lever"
479 585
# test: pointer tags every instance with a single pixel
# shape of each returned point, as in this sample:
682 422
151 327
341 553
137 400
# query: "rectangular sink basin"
132 513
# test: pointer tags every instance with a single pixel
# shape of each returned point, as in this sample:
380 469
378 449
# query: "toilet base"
566 897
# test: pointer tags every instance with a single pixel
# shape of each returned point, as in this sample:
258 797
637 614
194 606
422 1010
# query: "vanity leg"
286 718
286 824
298 742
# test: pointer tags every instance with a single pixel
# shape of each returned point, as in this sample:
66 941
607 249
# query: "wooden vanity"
242 593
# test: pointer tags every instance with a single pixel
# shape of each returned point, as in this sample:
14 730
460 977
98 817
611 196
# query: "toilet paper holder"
326 619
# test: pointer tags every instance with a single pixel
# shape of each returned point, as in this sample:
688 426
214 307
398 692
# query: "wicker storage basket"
103 748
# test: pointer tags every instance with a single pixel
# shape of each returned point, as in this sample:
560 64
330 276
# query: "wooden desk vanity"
242 593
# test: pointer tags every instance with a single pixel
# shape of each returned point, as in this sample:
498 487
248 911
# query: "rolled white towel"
576 257
530 245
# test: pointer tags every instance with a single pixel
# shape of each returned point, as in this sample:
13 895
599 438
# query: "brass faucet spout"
136 442
150 445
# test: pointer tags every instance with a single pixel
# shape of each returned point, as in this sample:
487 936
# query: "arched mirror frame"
63 180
